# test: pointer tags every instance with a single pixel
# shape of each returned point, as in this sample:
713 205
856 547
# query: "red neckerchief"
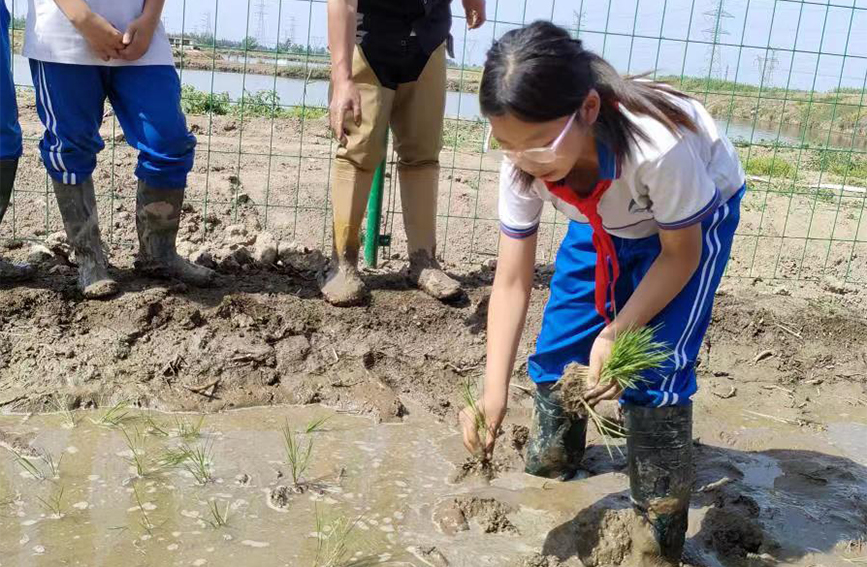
605 252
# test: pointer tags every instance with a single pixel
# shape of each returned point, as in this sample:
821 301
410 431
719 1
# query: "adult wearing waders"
652 189
82 53
10 141
388 67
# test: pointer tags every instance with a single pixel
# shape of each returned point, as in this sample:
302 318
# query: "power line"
716 20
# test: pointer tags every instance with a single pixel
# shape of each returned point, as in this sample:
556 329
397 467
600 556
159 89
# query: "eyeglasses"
540 156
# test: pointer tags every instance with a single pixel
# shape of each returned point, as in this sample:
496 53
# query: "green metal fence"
785 78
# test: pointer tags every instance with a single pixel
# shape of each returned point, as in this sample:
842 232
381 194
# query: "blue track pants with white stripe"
70 100
10 131
571 323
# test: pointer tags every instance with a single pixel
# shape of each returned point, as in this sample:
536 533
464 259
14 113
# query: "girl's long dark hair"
539 73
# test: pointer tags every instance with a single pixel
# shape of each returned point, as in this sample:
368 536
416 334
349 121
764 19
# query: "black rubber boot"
77 204
557 440
10 271
659 446
157 219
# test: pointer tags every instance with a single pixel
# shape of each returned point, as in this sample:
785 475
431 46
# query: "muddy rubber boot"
557 440
418 194
659 446
157 219
77 204
341 284
10 271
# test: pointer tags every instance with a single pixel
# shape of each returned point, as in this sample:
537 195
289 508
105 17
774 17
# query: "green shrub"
769 166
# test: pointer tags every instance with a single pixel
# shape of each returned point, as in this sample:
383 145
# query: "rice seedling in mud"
634 352
198 462
144 519
28 464
332 540
217 518
54 504
299 450
144 461
153 427
188 429
114 416
61 406
480 464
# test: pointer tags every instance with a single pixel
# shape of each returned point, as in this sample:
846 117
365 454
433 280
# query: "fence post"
372 238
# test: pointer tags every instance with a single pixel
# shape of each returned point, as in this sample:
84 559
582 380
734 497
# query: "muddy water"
391 483
387 478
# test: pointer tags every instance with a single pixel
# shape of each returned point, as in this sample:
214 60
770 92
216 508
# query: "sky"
802 44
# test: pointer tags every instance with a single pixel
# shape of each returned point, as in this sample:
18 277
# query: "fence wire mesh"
785 79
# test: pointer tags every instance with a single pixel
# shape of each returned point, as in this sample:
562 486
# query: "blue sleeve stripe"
702 214
518 233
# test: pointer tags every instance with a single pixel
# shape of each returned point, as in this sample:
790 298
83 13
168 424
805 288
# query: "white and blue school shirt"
668 182
51 37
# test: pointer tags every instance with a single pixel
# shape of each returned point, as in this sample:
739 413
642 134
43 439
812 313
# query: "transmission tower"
577 22
205 25
261 16
766 66
716 20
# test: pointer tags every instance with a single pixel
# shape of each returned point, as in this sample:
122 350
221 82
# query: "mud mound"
508 456
601 535
490 514
731 533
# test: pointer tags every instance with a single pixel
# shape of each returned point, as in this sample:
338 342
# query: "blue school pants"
146 99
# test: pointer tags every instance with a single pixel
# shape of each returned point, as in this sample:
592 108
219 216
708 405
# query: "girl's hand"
600 352
494 411
137 38
104 39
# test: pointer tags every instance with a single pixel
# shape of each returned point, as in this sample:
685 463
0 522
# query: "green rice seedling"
187 429
198 462
217 518
52 466
470 399
153 427
139 457
115 416
144 520
298 453
61 406
316 425
172 458
332 540
26 463
54 504
634 352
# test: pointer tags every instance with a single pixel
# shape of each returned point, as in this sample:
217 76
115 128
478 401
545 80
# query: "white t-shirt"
52 38
669 183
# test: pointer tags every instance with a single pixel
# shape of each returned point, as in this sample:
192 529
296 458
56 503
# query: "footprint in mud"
491 515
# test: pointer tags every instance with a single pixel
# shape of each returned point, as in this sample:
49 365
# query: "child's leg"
70 101
147 100
10 141
10 131
659 414
569 327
